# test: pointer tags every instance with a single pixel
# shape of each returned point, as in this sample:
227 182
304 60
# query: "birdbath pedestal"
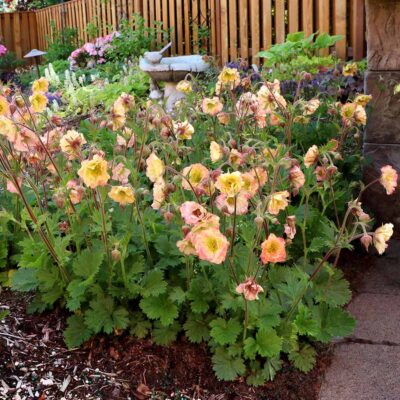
170 70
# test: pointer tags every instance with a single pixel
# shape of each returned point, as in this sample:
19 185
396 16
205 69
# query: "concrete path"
367 367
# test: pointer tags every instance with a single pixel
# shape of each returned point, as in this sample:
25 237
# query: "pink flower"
227 204
321 173
296 178
273 250
76 191
186 246
3 50
192 212
120 173
290 226
388 179
11 186
211 245
250 289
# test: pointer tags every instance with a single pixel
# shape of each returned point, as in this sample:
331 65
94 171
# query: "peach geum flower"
278 202
192 212
184 86
311 156
8 129
216 152
71 143
122 194
118 116
4 106
229 78
230 183
195 176
388 179
158 193
273 249
227 204
40 85
155 167
381 236
349 69
120 173
76 191
211 106
183 130
296 178
311 106
211 245
125 101
250 289
94 172
38 102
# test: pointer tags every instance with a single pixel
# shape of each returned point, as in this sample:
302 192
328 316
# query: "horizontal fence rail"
227 29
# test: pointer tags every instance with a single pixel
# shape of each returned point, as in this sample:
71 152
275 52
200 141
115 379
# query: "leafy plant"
61 43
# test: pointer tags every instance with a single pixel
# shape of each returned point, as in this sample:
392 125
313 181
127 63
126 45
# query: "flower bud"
229 232
259 221
56 120
116 255
103 124
232 143
366 241
13 108
168 216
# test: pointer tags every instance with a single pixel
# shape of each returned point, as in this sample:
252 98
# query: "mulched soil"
35 364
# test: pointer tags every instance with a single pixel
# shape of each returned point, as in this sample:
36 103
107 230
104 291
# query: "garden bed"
33 351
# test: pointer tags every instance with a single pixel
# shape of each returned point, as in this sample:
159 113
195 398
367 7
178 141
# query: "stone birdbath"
169 70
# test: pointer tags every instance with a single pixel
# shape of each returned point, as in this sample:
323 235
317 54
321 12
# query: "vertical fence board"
293 11
233 42
243 29
307 17
255 27
357 31
187 38
266 24
224 32
195 25
323 19
340 26
280 21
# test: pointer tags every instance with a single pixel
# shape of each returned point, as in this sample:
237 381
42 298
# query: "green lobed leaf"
160 307
87 263
76 332
227 368
303 358
225 331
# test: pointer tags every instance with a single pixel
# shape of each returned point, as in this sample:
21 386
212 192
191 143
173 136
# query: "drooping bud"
116 255
366 241
259 221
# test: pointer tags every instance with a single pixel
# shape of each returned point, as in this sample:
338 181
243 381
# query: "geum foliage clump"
218 222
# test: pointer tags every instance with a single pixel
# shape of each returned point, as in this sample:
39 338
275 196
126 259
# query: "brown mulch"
35 363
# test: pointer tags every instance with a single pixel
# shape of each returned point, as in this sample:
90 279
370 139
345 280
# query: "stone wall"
382 134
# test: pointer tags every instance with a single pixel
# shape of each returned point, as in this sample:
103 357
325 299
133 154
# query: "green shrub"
61 43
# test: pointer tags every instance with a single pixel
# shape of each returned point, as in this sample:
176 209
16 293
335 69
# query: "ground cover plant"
222 221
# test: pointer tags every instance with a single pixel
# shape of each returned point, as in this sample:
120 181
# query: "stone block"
363 372
383 34
368 309
384 109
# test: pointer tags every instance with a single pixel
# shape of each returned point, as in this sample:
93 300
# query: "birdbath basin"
171 70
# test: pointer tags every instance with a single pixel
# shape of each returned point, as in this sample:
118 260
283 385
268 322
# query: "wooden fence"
228 29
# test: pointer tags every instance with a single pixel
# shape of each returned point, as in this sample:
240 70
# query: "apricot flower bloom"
228 78
273 249
11 186
94 172
186 246
155 167
311 106
230 183
26 140
38 102
349 69
250 289
260 174
184 87
76 191
183 130
216 152
122 194
158 193
360 116
290 226
227 204
278 202
40 85
8 129
71 143
388 179
4 106
118 116
196 176
363 99
192 212
125 101
211 245
211 106
296 178
311 156
120 173
381 236
250 184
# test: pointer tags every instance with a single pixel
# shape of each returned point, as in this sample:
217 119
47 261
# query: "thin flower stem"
146 243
